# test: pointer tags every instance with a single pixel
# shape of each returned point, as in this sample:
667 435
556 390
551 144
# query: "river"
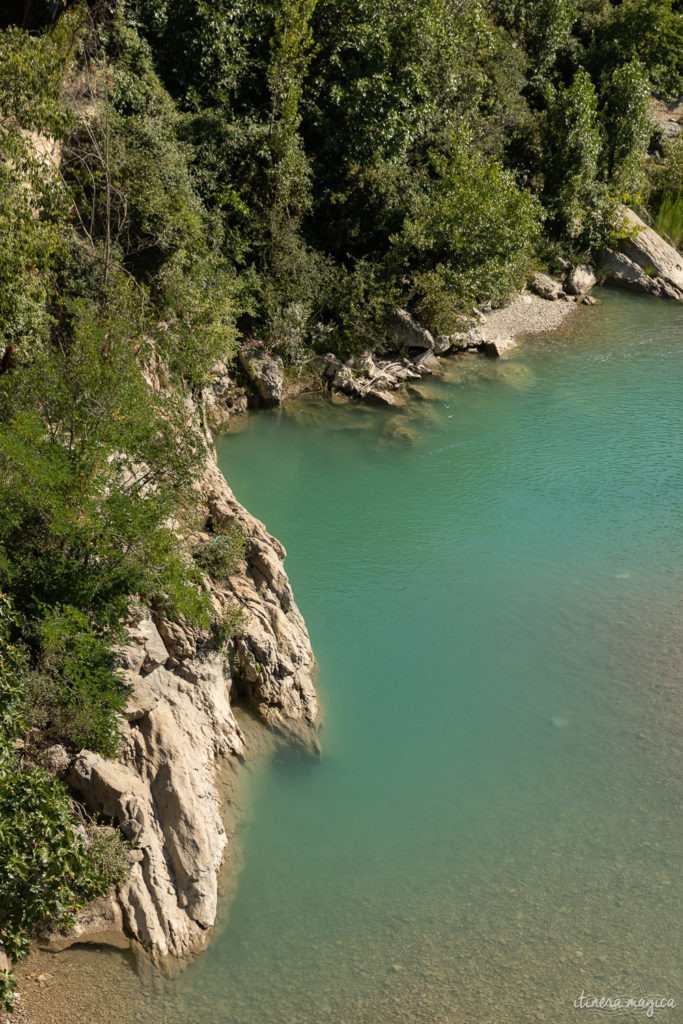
492 583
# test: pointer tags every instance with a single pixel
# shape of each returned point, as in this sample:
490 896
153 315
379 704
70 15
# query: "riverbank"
489 831
171 814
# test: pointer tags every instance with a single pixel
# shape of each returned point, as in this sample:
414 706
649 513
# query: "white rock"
580 280
496 347
161 790
546 287
644 261
266 371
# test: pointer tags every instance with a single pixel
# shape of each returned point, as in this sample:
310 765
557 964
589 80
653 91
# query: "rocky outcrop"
644 261
580 280
264 370
546 287
180 726
406 332
223 398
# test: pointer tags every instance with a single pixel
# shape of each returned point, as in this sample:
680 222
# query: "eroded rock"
580 280
408 333
265 370
644 261
180 726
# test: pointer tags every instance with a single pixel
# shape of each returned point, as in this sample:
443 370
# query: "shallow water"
495 606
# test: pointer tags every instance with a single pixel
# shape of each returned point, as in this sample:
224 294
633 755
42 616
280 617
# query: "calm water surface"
492 584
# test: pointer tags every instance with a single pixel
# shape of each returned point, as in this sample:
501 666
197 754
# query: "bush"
46 868
228 626
108 852
76 696
220 556
469 236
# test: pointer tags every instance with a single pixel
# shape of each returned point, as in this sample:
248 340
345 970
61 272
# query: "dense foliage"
49 869
176 174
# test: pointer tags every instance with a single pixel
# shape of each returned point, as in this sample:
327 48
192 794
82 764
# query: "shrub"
469 236
108 852
220 556
76 696
47 871
228 626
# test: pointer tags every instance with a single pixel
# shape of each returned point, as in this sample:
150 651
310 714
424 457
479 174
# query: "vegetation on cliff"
175 175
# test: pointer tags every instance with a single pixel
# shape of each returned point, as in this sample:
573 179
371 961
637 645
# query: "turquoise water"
495 608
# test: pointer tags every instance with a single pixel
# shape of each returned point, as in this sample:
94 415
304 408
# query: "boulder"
643 262
427 362
330 365
580 280
442 344
546 287
366 364
496 347
266 371
56 759
381 396
408 333
343 380
223 398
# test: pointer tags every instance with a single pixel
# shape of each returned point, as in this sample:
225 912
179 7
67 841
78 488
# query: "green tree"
31 201
469 236
628 128
573 145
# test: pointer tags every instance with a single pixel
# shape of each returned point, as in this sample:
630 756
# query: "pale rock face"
644 262
546 287
580 280
407 331
266 371
497 347
223 400
179 726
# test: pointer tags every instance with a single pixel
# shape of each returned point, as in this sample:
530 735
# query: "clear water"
495 607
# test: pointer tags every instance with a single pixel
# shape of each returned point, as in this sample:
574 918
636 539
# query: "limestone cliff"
180 726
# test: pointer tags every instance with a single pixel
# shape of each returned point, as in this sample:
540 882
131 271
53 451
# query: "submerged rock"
644 261
427 362
497 347
399 429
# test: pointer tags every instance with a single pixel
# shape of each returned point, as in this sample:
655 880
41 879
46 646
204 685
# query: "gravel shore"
528 314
